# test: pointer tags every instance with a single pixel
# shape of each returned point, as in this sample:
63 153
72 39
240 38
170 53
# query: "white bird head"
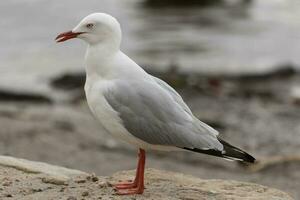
94 29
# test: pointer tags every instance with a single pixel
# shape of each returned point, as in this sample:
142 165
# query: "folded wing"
155 113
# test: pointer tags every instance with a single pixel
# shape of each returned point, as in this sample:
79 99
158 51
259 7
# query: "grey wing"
150 113
176 97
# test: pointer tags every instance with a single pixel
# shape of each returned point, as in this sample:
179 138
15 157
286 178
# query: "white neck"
108 62
98 59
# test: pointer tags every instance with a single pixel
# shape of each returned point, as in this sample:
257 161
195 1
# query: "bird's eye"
90 25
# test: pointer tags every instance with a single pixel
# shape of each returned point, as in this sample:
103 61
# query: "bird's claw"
130 191
125 185
128 188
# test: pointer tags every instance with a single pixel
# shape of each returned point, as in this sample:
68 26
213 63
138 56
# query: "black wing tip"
242 157
236 152
230 152
248 158
251 159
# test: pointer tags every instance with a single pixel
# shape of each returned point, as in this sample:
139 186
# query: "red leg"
131 184
137 187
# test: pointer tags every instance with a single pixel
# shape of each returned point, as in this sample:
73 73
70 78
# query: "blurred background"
235 62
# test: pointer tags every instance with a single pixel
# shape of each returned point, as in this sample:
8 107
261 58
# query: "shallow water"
232 38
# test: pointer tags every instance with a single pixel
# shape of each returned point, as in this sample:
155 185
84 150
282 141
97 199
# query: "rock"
50 172
269 84
190 3
18 96
69 81
280 72
159 185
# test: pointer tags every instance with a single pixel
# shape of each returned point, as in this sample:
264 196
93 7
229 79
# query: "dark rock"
179 3
258 84
172 76
95 178
85 193
69 81
64 125
80 181
189 3
71 198
8 96
284 71
8 195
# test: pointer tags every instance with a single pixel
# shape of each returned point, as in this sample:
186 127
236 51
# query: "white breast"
108 118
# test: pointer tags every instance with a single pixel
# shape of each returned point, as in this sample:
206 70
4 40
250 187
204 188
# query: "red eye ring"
90 25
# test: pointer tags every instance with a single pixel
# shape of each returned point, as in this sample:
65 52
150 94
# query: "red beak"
66 36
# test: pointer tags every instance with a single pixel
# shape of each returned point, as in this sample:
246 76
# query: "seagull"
137 107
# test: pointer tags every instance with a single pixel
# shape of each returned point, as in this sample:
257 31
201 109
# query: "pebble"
7 183
103 184
85 193
37 190
71 198
80 181
8 195
95 178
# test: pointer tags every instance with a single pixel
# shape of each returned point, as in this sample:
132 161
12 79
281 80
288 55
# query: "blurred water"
232 38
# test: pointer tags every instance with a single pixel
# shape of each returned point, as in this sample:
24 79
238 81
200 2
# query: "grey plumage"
175 96
154 112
